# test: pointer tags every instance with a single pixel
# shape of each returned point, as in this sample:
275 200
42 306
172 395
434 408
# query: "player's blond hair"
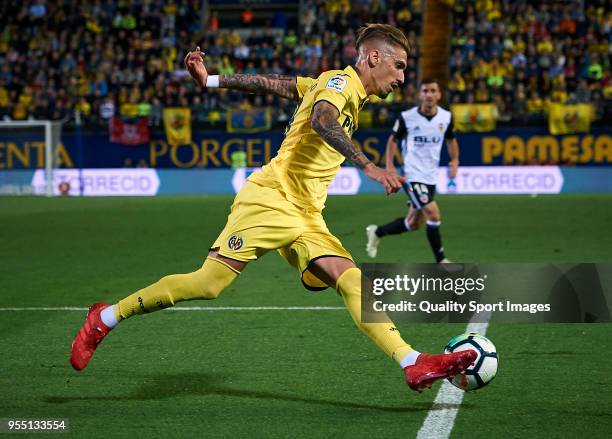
385 32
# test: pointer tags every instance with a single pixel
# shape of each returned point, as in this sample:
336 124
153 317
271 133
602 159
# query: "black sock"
393 228
435 240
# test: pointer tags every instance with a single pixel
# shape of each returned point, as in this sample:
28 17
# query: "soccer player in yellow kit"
279 208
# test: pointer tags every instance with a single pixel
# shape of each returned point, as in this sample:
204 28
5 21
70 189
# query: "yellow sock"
205 283
385 335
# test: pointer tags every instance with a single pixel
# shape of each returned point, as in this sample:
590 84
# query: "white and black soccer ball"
484 368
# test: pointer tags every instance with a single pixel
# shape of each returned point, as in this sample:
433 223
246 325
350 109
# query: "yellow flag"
177 123
566 119
474 117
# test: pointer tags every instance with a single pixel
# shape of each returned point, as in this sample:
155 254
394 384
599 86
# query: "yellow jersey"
305 164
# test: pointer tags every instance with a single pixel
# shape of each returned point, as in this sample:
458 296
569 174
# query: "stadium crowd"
107 57
522 55
117 57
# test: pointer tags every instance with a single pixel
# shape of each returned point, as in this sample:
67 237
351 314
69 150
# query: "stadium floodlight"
18 132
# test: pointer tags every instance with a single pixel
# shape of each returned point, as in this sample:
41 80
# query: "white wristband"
212 81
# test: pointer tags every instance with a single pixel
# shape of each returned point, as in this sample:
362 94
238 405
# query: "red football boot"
89 337
430 368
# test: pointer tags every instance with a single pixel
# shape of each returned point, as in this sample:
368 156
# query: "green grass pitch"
281 373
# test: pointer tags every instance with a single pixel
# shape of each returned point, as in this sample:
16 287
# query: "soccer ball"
484 368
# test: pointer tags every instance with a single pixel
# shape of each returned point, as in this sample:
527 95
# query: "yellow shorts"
262 219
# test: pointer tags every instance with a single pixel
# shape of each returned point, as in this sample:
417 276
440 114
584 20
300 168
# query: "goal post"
13 131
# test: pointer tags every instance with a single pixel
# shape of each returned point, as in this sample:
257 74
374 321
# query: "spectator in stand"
107 109
535 105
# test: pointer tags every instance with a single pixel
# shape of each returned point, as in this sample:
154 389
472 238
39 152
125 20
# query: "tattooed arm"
283 86
325 122
280 85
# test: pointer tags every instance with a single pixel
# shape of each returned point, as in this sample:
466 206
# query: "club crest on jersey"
441 127
336 83
235 242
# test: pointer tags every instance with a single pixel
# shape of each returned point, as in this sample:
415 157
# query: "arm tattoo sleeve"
324 122
283 86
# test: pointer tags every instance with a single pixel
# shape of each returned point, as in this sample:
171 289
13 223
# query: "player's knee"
210 294
414 223
205 285
432 214
213 278
193 286
179 287
211 288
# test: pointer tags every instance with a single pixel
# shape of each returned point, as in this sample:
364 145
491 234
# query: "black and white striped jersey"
420 138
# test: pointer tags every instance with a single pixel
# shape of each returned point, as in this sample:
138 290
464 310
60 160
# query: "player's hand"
453 167
390 180
391 169
195 66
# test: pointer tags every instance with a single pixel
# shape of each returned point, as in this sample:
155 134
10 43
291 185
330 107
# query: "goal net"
28 157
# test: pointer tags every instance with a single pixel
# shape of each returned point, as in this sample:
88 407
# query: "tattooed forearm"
280 85
332 133
324 121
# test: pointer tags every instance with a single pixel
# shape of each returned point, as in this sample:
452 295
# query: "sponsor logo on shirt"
348 125
336 83
424 139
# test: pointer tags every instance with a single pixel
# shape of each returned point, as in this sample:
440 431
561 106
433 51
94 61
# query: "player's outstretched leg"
205 283
420 370
374 233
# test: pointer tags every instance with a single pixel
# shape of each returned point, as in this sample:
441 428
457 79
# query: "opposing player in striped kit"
420 132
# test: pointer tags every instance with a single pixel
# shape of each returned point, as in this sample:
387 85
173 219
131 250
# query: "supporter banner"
248 121
19 150
474 117
567 119
129 133
177 123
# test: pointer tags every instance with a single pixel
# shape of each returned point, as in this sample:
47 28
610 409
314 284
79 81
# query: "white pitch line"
188 308
441 417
